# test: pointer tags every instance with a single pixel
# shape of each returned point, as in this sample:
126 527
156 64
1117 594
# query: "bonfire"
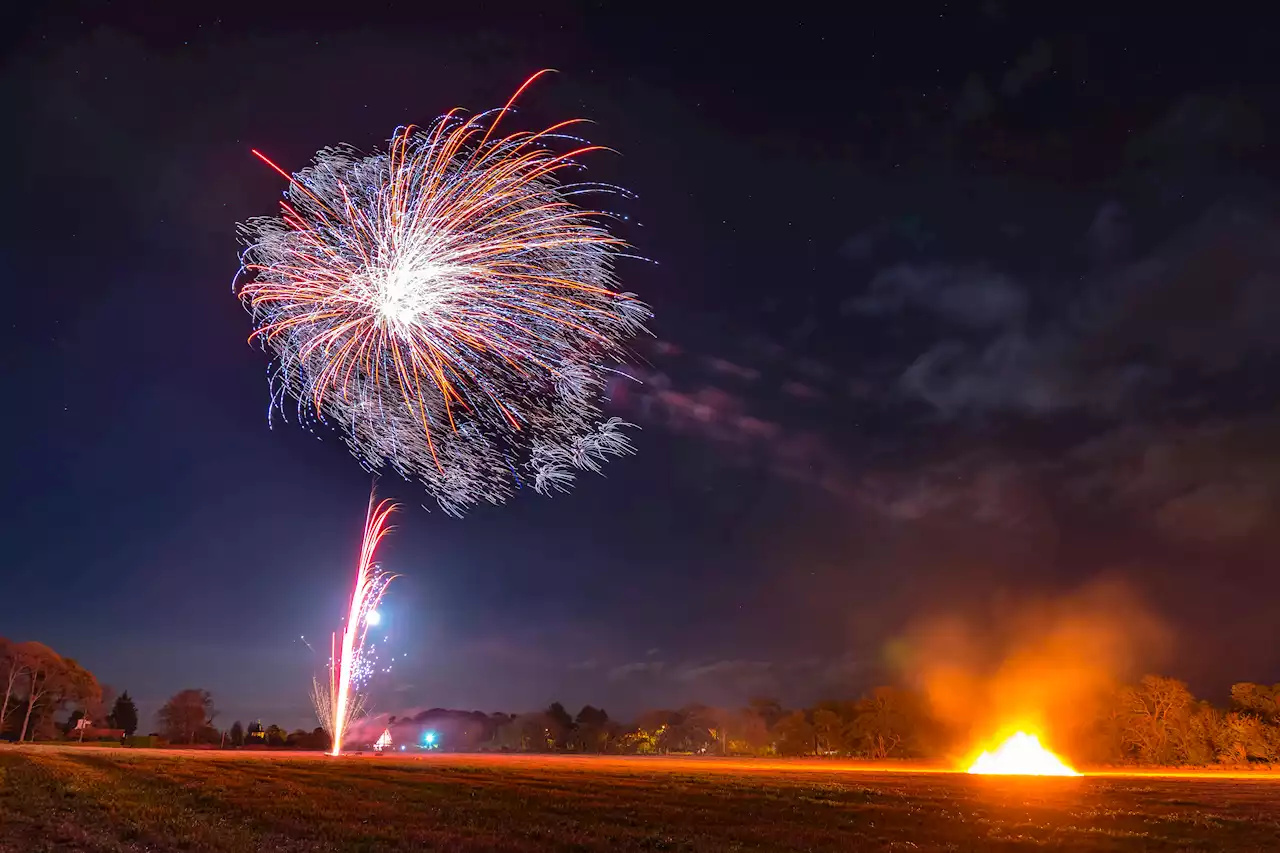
1021 755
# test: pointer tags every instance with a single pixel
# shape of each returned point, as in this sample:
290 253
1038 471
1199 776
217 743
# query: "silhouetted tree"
883 723
185 716
769 710
829 729
795 735
560 723
237 734
124 714
592 729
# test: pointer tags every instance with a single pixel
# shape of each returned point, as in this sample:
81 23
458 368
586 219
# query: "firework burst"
448 306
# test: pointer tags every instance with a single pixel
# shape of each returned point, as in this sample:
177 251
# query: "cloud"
1016 373
1205 300
1110 234
651 668
975 101
731 422
742 672
973 296
729 368
1199 130
1207 483
979 487
1031 67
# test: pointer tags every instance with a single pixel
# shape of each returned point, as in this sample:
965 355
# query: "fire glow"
1020 755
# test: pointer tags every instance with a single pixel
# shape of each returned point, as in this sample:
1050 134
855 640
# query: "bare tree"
1158 712
43 667
13 667
882 722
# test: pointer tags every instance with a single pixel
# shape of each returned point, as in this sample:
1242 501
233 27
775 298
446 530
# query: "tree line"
1156 720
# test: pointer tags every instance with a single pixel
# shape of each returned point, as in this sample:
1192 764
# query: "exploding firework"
340 699
322 695
448 306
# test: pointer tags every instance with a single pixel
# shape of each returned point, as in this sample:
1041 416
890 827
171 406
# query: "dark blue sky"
949 307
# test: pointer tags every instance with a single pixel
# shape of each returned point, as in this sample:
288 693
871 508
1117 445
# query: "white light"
373 617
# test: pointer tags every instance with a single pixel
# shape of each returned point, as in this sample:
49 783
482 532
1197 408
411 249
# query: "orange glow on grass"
1020 755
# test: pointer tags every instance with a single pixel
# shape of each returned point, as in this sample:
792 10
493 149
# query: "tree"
13 669
1157 725
1257 700
276 736
795 735
769 710
560 723
693 729
828 727
883 722
186 714
237 733
43 667
592 725
124 714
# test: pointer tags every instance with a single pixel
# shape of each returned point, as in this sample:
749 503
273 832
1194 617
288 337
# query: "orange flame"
1021 755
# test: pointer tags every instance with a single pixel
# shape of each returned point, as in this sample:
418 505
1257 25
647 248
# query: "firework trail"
448 306
341 701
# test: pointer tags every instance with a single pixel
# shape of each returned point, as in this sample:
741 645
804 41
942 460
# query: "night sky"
951 310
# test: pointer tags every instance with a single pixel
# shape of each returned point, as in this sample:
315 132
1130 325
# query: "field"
125 800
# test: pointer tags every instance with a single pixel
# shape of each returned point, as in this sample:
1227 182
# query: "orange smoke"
1037 666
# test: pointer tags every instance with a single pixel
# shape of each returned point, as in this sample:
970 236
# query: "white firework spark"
448 307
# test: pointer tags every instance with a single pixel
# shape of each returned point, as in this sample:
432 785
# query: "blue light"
429 738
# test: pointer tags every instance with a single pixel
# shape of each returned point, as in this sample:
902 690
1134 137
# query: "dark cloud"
1016 372
1029 69
975 101
732 681
980 488
972 297
1204 300
636 668
1211 482
1201 130
741 423
746 674
1110 235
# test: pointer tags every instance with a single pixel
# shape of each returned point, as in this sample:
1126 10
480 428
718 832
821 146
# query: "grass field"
124 800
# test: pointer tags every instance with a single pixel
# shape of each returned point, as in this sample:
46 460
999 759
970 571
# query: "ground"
134 800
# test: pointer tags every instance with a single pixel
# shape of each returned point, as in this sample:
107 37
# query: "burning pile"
1021 755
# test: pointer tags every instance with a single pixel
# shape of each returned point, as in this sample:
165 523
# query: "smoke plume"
1045 665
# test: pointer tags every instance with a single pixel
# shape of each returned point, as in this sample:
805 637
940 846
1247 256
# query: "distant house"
84 729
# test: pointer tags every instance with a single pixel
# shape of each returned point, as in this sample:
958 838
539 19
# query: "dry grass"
81 800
